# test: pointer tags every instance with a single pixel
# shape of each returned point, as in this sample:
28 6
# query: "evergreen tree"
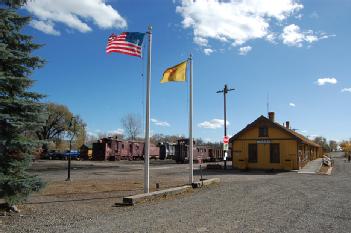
20 110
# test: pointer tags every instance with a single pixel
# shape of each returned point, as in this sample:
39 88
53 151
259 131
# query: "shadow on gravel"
231 171
73 167
121 205
72 200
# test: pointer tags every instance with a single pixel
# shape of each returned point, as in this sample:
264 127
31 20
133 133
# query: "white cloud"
45 26
292 105
293 36
114 132
244 50
271 37
346 90
208 51
200 41
75 14
212 124
234 21
323 81
92 134
160 123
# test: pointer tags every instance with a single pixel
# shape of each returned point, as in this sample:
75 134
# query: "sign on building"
263 141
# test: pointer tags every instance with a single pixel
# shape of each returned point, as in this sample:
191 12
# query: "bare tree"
322 142
132 125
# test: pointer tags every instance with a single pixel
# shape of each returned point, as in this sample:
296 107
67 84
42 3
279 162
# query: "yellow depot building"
265 144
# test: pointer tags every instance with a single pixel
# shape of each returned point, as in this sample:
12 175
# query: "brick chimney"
271 116
287 124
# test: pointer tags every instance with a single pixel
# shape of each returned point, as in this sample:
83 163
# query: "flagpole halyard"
147 115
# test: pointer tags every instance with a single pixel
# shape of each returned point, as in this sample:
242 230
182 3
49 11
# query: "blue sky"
297 51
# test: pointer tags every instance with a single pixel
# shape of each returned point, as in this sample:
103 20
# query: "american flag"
127 43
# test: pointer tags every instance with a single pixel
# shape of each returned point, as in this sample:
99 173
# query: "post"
69 162
191 175
225 122
147 115
72 122
225 91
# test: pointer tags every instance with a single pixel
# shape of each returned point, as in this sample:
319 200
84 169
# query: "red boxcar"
117 149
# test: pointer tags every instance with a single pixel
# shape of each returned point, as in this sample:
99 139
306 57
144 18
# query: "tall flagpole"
147 121
191 176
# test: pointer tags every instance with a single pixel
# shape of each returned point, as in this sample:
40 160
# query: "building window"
263 131
275 153
252 153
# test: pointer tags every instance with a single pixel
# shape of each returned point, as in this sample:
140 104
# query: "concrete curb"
205 183
146 197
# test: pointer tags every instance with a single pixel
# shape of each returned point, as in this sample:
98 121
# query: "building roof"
293 133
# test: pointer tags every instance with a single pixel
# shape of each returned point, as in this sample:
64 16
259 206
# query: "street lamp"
73 132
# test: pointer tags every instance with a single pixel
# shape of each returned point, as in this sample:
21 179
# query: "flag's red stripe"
123 52
125 48
124 43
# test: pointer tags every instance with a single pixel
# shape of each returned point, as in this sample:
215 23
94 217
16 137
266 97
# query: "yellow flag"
176 73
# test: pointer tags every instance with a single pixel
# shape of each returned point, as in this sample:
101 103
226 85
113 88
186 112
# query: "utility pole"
225 91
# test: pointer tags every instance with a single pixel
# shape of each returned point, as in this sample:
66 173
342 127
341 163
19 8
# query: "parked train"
118 149
200 152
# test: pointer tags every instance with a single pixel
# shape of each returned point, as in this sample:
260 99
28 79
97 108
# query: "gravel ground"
243 202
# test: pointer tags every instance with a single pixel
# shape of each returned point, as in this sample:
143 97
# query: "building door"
275 153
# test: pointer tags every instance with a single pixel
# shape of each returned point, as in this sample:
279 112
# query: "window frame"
263 131
252 158
273 157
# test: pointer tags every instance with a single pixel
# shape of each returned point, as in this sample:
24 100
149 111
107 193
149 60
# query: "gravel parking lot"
243 202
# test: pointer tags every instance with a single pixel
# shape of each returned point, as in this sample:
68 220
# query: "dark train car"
181 149
167 150
205 153
181 152
122 150
99 151
105 149
117 149
201 153
217 154
136 150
